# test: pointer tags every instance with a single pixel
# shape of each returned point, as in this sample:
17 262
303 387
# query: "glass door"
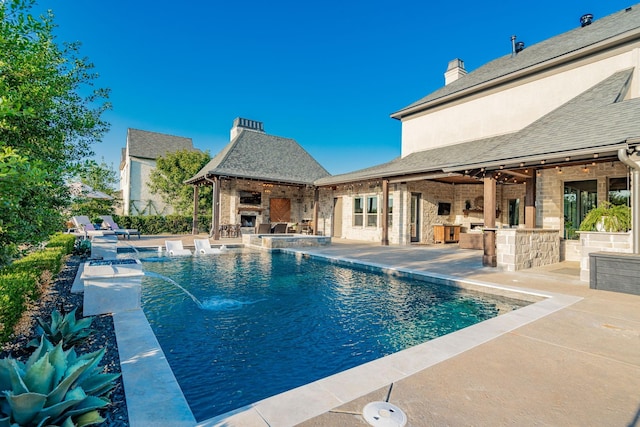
415 217
579 198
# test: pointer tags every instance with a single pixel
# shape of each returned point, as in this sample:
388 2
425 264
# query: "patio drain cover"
384 414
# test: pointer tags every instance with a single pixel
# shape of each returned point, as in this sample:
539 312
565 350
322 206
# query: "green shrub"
16 288
65 241
40 261
54 387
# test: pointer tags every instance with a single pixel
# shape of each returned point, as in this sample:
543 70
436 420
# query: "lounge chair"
203 247
264 228
84 225
280 228
125 232
174 247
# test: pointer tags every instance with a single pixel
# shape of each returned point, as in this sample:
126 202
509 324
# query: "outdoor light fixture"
542 162
538 173
566 159
585 169
521 164
595 156
559 170
501 167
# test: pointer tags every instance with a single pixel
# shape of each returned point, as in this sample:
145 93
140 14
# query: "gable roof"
608 28
257 155
595 121
151 145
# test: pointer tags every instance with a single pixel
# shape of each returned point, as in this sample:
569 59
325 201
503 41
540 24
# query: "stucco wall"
504 111
141 200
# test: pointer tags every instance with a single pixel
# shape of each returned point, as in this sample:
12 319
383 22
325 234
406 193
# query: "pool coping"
163 402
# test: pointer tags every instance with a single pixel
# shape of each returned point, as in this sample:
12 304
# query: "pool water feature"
274 322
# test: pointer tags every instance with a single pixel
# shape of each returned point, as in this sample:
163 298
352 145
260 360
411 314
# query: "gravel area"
57 295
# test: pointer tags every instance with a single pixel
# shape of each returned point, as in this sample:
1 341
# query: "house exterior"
522 147
138 160
506 159
260 179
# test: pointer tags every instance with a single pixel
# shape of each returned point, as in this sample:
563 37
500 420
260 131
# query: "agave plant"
55 387
66 329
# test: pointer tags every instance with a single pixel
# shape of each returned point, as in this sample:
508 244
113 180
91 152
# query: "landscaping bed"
57 296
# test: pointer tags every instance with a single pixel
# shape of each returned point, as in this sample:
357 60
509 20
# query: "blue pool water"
271 322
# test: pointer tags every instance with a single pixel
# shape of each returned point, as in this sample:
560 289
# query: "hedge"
157 224
65 241
20 280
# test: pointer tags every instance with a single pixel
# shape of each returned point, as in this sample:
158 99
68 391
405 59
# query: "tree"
168 178
102 178
46 125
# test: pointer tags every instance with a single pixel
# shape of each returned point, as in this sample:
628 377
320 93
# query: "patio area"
577 366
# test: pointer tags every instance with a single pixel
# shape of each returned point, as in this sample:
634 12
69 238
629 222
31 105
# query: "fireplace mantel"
250 209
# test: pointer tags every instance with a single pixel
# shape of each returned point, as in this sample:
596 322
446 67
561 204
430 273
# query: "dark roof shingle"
256 155
151 145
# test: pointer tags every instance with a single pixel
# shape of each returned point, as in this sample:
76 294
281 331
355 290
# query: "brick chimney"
240 124
455 70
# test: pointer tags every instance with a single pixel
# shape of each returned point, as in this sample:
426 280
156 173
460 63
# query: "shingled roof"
260 156
563 45
151 145
597 120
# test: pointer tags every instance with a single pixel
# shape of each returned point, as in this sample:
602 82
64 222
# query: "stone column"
530 202
316 198
215 209
489 258
385 212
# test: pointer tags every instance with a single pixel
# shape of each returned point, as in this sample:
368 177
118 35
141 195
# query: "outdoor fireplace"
247 220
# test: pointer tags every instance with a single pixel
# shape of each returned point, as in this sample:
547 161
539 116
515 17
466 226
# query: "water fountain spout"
173 282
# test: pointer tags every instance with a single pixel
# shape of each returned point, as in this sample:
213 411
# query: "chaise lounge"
111 224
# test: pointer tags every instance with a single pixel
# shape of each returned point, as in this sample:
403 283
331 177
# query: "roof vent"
586 19
516 47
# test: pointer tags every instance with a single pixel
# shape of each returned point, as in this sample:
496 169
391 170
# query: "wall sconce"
559 170
585 169
538 173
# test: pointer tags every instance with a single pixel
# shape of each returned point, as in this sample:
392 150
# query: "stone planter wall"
521 248
599 241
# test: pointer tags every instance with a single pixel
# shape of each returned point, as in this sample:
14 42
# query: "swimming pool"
271 322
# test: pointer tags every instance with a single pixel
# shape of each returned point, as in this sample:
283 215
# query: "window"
372 211
358 210
619 193
390 213
250 198
444 208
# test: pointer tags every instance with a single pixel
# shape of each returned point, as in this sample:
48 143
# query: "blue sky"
327 74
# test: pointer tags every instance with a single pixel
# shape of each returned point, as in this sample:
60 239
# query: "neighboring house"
138 160
260 179
534 138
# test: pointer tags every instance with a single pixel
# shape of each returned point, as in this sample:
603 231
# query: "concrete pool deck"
579 365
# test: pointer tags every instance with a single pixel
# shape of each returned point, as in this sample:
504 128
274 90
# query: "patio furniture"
111 224
174 247
83 224
264 228
280 228
203 247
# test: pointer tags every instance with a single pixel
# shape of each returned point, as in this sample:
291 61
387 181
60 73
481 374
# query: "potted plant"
607 217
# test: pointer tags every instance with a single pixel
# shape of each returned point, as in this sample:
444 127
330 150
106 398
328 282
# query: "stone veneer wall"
550 189
521 248
595 241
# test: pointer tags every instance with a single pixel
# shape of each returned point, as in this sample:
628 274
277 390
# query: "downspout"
635 198
214 232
